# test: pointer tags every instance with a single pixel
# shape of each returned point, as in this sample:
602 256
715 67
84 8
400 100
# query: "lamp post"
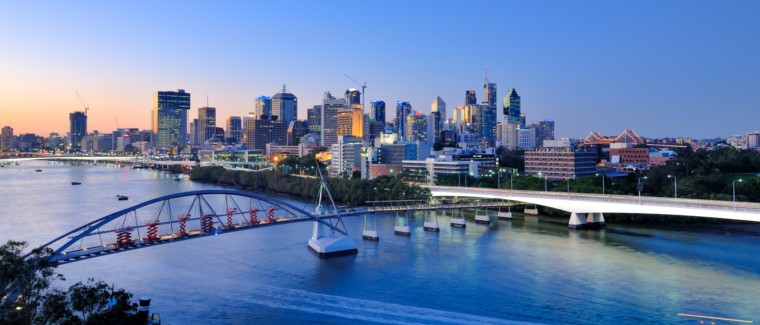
733 187
675 184
568 185
640 187
546 183
601 174
510 182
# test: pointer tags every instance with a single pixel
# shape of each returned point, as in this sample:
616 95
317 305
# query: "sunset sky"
662 68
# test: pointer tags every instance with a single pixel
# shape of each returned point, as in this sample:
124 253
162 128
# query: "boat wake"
359 309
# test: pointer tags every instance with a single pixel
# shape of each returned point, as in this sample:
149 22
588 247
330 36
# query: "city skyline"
655 68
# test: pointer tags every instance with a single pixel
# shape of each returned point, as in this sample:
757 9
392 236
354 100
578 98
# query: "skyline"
659 68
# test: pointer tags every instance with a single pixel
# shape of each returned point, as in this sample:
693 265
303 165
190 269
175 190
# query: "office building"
527 138
377 111
470 98
77 130
416 127
329 119
346 156
263 107
559 163
353 97
6 139
206 123
427 171
234 129
403 109
314 118
170 109
545 131
351 122
296 130
511 105
267 129
285 106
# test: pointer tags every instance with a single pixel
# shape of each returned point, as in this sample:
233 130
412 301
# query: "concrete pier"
330 244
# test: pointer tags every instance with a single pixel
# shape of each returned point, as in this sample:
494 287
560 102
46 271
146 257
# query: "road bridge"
588 209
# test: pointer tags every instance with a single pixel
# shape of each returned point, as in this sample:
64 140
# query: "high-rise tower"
206 123
470 98
170 119
403 109
377 111
78 129
263 107
512 106
285 105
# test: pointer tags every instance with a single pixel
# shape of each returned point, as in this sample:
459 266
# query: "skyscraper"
351 122
512 106
77 130
329 119
285 106
469 98
296 130
6 138
170 119
314 118
234 130
266 129
545 131
403 109
377 111
353 97
416 127
206 123
438 117
489 93
263 106
489 111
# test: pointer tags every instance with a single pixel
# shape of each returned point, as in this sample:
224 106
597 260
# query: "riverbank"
345 191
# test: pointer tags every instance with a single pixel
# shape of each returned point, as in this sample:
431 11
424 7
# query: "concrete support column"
595 219
577 220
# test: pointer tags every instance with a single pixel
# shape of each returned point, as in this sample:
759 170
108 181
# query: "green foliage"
348 191
27 299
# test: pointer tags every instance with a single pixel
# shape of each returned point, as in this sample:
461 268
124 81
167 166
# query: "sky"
661 68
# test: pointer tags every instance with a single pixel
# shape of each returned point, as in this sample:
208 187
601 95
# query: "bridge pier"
580 220
533 210
433 224
505 215
402 226
458 222
332 244
482 218
370 234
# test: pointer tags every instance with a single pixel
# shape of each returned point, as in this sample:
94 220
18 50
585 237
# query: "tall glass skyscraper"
285 106
353 97
77 130
403 109
469 98
512 106
377 111
329 119
170 119
234 130
263 106
206 123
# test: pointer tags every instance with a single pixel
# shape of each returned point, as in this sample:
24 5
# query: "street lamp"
602 174
568 185
733 187
640 187
546 180
675 184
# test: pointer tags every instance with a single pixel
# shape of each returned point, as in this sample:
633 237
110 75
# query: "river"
528 270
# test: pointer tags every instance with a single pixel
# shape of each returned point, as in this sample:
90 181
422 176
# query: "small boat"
38 170
76 183
122 197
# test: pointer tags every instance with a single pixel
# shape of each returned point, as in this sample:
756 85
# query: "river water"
528 270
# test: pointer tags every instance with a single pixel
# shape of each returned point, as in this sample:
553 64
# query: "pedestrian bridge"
588 209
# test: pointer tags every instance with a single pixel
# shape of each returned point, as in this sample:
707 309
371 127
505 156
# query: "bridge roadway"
589 208
126 159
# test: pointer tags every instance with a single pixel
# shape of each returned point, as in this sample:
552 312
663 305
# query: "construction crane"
364 86
86 108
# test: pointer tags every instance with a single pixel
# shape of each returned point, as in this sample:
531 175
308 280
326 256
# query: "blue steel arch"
88 228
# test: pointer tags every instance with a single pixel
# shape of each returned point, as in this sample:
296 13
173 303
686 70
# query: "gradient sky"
662 68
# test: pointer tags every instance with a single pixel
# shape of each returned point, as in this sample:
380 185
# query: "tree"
26 298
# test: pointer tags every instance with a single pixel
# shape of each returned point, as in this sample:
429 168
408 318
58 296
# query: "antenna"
486 73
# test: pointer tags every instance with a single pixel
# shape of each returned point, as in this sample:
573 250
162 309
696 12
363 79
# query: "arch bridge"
184 216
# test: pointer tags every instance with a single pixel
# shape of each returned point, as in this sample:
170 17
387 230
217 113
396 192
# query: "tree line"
346 191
